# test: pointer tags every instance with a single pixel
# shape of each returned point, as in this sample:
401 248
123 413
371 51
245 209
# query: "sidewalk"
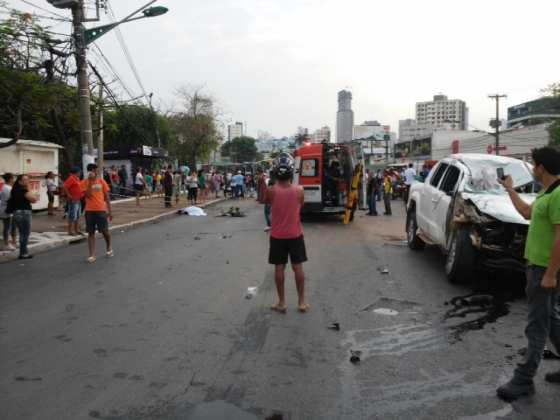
48 232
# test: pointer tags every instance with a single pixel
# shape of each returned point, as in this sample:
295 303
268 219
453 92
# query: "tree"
133 125
553 91
241 149
195 126
32 89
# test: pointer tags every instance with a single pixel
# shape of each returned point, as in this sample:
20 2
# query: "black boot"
553 377
516 388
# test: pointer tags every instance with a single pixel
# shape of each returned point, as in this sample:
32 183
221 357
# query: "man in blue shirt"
237 184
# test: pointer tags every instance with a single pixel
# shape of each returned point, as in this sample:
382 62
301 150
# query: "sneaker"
110 253
9 248
553 377
267 229
516 388
91 260
25 257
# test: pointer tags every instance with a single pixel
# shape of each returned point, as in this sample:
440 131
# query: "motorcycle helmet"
284 166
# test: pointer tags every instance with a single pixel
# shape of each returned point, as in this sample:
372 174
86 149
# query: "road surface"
164 330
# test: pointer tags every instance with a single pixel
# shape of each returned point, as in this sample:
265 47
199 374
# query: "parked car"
462 208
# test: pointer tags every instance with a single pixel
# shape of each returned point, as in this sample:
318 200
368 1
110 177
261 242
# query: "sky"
278 64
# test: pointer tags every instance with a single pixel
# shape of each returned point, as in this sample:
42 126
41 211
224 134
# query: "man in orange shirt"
98 210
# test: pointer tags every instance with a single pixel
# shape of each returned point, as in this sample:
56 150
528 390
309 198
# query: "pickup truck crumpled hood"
499 206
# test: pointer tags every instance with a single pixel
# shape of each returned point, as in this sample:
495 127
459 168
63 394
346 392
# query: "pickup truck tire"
461 258
414 241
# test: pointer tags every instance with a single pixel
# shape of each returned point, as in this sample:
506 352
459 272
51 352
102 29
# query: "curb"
44 247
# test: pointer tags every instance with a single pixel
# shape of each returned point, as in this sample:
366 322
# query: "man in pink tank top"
286 234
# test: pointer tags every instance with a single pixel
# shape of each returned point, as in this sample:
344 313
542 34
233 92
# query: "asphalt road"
164 331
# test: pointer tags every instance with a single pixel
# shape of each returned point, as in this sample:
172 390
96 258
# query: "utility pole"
83 83
100 146
156 123
497 121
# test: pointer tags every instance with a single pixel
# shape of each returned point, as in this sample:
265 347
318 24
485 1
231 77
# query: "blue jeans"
267 214
9 228
74 210
373 202
543 322
22 219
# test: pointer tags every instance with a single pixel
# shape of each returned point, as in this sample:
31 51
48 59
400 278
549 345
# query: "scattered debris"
385 311
192 211
490 309
197 238
275 416
355 356
227 236
335 326
383 270
251 291
232 212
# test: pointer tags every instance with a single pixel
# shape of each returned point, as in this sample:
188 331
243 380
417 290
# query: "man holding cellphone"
542 251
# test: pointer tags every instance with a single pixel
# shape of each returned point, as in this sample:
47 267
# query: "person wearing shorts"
286 233
98 210
73 192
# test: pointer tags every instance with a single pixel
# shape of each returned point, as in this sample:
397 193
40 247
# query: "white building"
35 159
442 112
321 135
235 130
515 142
344 117
409 129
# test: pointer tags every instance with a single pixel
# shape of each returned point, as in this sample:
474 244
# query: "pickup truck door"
429 199
442 200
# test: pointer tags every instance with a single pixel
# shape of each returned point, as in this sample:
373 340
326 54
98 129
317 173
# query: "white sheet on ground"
193 211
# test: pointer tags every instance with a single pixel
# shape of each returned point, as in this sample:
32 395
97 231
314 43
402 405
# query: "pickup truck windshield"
483 176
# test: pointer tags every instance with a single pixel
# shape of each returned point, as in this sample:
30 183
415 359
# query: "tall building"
344 117
235 130
321 135
442 113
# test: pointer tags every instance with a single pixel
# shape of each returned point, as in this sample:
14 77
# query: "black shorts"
280 249
50 196
138 187
96 220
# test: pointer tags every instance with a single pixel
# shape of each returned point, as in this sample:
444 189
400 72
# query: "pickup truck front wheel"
414 241
461 258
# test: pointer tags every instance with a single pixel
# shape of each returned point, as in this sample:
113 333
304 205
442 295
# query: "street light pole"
83 83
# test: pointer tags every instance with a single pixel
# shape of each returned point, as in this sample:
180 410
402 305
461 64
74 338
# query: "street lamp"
95 33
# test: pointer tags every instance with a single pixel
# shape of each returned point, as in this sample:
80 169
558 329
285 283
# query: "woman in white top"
52 188
192 181
139 185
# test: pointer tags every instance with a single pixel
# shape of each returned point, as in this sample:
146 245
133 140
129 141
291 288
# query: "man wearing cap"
98 210
74 194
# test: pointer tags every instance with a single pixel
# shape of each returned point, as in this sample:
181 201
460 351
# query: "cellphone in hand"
501 174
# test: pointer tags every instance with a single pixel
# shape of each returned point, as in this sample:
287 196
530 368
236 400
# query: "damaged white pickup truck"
463 209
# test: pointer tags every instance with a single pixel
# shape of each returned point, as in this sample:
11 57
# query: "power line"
127 52
111 69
